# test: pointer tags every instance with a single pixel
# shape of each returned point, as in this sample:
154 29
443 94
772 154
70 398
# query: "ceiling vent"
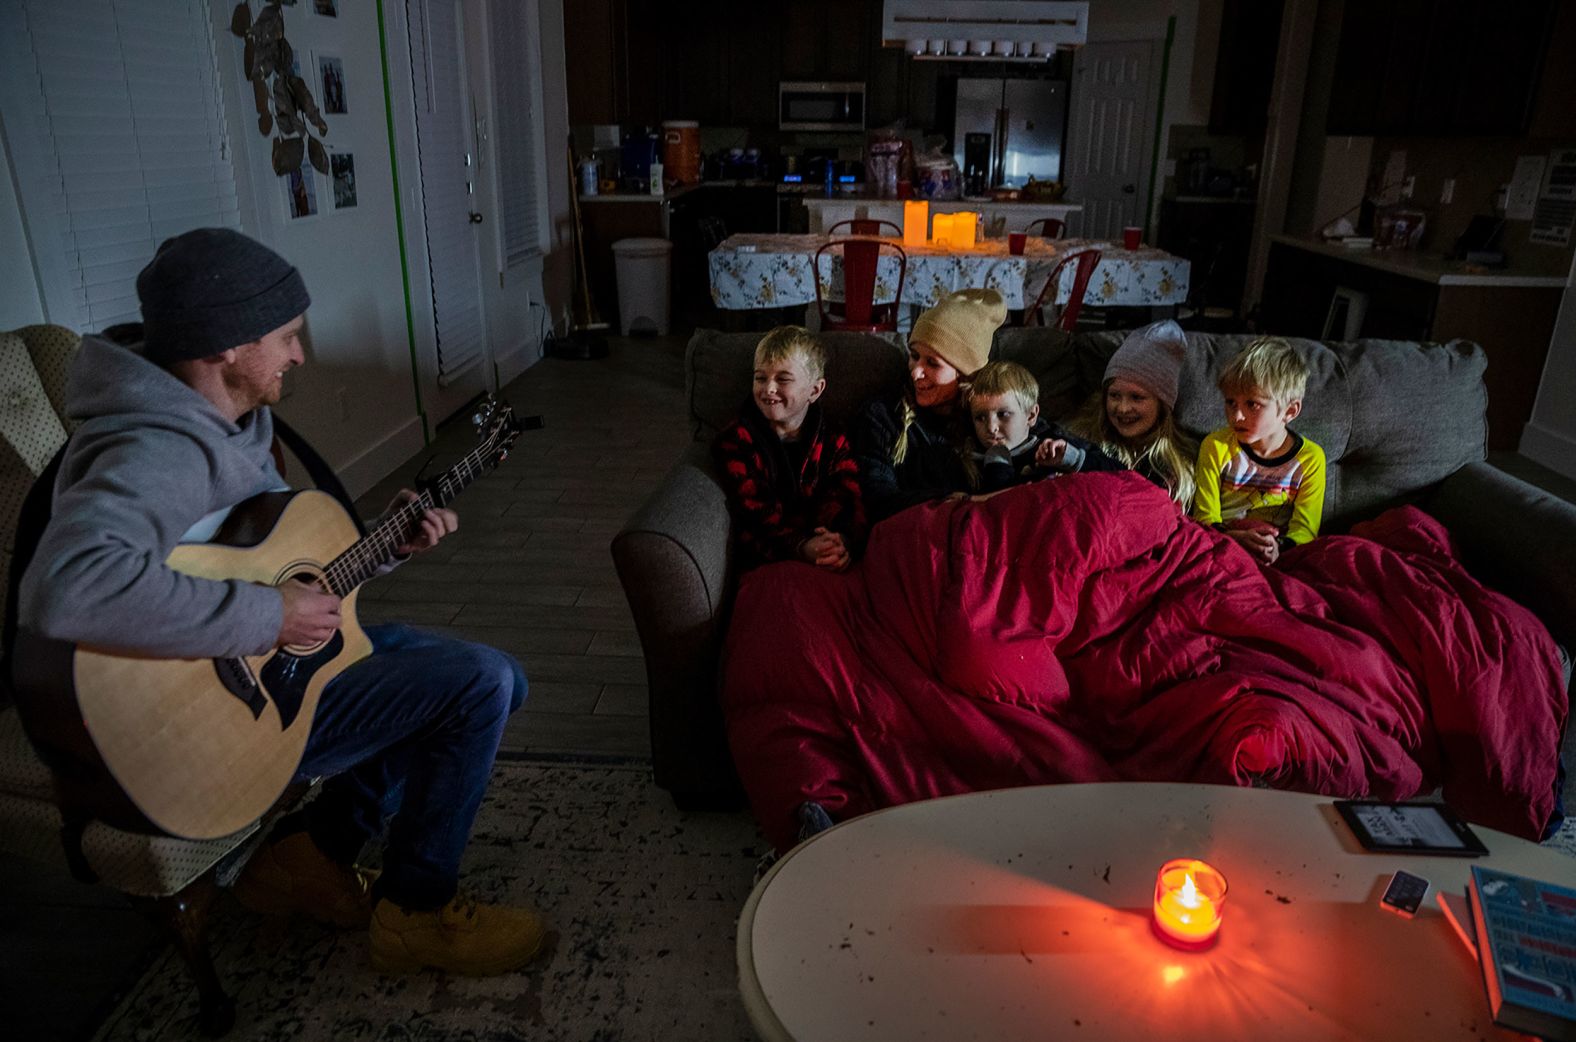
983 30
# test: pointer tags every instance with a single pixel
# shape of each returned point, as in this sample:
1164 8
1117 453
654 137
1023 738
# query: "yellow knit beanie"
960 328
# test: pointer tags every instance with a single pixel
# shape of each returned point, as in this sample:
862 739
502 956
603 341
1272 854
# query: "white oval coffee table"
1024 914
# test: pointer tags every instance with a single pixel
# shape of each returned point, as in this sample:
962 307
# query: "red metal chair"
1086 261
858 310
868 226
1050 227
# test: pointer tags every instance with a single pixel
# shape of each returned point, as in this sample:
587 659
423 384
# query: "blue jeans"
409 733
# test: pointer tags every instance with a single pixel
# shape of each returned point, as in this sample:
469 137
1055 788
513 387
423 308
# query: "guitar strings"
357 564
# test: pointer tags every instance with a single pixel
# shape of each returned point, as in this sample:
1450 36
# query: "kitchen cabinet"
827 40
633 62
1245 66
753 66
697 87
592 44
1438 67
1413 296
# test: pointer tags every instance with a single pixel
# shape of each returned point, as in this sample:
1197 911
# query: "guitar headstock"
496 429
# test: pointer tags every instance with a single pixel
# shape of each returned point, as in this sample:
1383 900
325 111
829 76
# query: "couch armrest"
1516 538
673 559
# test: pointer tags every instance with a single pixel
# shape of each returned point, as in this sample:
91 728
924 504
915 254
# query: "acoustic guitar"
202 748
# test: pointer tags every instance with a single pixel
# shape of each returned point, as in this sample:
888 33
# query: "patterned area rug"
645 900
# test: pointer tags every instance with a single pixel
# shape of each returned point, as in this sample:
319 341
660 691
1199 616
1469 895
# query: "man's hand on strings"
436 523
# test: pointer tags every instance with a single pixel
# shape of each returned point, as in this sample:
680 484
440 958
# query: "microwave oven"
821 106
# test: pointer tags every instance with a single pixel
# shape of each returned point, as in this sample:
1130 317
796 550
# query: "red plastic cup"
1131 237
1016 241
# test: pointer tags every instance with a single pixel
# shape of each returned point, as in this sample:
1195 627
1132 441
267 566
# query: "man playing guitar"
175 432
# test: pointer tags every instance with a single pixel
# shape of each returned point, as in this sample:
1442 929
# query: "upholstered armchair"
172 879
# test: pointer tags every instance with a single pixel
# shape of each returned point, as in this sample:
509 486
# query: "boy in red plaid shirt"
791 481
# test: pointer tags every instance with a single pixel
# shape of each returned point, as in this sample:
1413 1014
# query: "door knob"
1129 189
476 218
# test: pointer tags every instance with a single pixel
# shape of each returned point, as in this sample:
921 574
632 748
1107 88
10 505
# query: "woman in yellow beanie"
908 443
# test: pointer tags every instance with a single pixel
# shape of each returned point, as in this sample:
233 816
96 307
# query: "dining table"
761 270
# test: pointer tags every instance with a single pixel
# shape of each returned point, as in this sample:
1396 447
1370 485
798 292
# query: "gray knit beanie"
211 289
1151 357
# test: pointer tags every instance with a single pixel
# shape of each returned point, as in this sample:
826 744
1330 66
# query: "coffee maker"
976 163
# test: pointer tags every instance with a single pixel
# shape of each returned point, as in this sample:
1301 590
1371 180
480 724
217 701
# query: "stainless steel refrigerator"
1025 121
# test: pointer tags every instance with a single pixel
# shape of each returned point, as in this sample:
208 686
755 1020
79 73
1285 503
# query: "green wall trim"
399 227
1160 122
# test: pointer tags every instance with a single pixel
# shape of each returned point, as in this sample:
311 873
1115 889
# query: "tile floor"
529 569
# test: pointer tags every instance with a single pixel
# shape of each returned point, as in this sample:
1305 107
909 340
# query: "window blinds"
514 108
118 104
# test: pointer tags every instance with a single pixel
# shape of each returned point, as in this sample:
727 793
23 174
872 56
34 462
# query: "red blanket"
1083 630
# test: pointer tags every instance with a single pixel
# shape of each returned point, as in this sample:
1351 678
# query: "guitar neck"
363 559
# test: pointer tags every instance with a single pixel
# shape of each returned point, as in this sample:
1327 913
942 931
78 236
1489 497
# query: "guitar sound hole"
315 580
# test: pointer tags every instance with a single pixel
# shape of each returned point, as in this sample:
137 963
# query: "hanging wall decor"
285 107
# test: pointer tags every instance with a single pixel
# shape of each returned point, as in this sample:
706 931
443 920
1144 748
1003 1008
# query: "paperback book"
1458 913
1526 939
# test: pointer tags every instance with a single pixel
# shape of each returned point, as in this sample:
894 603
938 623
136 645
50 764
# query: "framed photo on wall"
327 8
331 84
300 193
343 167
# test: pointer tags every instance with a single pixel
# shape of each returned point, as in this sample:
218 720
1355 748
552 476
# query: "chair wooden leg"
184 918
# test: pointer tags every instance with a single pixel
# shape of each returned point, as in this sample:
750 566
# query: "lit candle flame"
1188 895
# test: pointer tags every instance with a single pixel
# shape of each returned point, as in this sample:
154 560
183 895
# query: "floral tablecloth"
773 271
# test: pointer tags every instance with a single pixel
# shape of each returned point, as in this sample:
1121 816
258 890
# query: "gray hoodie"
151 460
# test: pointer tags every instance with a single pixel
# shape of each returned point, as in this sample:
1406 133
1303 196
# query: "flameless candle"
965 224
941 229
1190 897
916 218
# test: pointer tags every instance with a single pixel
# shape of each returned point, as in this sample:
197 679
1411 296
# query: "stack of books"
1523 934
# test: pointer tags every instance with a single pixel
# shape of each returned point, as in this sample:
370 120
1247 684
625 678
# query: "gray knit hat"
1151 357
211 289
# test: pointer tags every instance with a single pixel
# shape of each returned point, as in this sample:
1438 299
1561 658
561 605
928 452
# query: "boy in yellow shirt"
1258 481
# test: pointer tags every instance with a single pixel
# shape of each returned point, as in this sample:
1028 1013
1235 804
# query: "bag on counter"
888 160
936 176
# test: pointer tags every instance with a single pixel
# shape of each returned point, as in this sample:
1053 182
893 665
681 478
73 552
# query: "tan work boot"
293 876
462 937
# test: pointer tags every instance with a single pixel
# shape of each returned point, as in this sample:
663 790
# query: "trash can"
643 269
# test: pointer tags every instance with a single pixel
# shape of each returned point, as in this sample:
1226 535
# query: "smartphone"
1404 896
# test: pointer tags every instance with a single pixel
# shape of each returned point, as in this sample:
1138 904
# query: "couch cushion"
718 367
1419 414
1048 353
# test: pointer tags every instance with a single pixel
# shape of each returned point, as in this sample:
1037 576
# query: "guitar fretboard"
363 559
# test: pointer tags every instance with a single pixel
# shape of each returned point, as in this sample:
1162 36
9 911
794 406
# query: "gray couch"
1399 422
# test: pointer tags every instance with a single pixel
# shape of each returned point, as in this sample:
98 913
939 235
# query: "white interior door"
1113 112
451 204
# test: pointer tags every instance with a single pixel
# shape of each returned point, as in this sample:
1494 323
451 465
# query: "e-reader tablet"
1410 828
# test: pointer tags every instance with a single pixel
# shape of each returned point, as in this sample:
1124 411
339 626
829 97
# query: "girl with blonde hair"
1133 418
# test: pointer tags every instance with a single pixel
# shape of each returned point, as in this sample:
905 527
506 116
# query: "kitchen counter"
1430 267
1411 295
825 212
